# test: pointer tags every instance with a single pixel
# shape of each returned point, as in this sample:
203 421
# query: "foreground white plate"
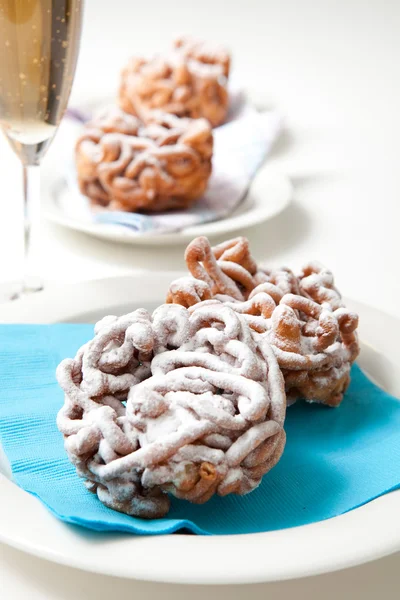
361 535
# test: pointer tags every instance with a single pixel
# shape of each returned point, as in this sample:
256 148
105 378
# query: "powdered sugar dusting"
201 400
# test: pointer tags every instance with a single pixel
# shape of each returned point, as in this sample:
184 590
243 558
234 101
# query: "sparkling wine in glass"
39 45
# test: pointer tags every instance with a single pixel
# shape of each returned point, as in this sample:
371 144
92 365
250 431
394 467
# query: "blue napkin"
334 461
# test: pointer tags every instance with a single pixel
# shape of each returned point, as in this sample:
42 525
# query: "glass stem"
31 174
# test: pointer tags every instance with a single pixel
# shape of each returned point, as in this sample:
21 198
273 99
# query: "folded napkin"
240 147
334 460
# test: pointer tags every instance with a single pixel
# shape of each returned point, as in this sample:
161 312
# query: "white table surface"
332 69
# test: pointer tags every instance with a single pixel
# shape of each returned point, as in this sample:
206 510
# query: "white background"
332 68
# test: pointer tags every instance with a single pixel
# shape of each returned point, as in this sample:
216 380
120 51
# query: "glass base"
15 290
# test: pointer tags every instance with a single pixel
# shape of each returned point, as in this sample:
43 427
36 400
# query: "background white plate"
269 194
364 534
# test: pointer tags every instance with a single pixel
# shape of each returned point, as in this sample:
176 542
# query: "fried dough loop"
123 164
181 402
189 81
312 333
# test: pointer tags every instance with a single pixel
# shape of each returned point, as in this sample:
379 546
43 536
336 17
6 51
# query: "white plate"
269 194
361 535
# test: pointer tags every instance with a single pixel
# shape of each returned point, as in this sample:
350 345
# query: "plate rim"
155 558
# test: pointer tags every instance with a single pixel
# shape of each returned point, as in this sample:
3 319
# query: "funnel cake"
179 402
190 81
312 333
227 272
125 165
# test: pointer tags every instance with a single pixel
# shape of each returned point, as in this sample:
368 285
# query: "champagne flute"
39 44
